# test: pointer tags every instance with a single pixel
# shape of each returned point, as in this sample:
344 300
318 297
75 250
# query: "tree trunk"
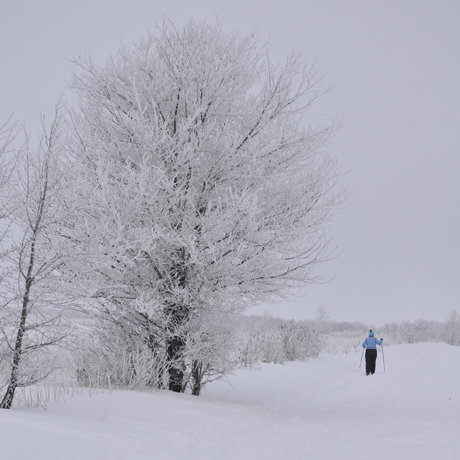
176 345
197 376
7 400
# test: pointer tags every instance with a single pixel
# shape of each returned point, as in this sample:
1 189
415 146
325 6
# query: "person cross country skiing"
371 352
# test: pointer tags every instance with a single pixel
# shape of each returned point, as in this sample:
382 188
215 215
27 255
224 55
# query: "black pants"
371 358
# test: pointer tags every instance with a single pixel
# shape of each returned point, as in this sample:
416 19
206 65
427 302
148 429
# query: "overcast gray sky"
396 65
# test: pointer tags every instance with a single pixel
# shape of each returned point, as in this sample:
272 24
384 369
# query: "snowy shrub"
209 354
117 354
413 331
250 353
132 354
344 341
260 346
272 347
116 365
290 341
301 342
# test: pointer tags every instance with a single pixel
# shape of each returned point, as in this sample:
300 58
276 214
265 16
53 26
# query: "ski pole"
383 356
362 354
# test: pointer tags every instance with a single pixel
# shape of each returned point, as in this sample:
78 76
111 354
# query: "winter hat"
371 333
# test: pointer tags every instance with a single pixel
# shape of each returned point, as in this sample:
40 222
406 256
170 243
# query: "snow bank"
320 409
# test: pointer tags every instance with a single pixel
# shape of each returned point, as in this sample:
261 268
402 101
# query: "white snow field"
320 409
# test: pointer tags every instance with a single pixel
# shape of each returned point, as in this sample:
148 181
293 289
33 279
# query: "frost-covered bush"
416 331
209 351
119 354
131 354
100 365
261 346
347 337
345 341
290 341
301 342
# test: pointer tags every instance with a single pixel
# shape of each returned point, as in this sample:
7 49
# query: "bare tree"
322 319
452 328
205 192
8 134
29 324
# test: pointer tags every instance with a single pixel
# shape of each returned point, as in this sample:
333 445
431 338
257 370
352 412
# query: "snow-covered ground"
320 409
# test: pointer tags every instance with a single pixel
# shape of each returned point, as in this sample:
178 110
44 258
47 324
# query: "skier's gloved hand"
381 338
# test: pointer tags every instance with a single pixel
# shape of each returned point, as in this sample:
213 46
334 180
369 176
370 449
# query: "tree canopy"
204 190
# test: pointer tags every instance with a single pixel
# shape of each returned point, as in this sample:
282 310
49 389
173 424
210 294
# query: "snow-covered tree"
452 328
205 191
29 325
8 135
323 319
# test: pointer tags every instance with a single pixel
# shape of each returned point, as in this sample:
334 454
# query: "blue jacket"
371 343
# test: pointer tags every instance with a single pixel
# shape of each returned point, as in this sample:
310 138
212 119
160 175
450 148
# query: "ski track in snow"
320 409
